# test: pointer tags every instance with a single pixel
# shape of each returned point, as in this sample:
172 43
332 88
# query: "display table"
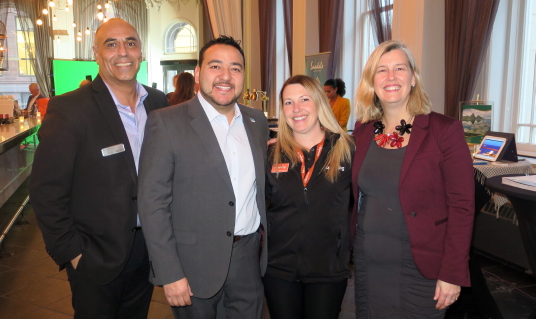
496 230
16 160
483 172
524 203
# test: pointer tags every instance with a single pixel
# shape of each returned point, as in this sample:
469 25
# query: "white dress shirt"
234 145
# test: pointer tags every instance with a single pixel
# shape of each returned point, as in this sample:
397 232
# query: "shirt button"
229 233
135 198
231 204
413 214
234 153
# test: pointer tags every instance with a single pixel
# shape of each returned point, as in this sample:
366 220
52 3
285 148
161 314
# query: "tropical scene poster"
476 119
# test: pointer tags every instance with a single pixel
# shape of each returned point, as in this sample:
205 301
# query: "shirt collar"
211 112
142 94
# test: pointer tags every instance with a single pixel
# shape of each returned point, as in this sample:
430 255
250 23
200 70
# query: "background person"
415 180
31 105
175 77
84 181
309 249
335 89
184 89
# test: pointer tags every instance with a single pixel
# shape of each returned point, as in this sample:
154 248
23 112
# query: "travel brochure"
526 182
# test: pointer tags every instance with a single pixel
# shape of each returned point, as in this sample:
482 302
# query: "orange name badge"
280 168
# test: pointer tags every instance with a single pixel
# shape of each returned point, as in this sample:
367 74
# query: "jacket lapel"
203 128
109 110
419 132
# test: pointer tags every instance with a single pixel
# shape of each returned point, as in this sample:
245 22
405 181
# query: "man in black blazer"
201 193
83 185
31 105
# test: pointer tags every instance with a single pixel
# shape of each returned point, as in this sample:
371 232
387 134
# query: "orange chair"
42 105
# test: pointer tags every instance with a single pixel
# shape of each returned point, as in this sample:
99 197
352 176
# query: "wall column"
420 25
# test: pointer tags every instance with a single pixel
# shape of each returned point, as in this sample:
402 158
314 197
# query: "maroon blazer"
436 191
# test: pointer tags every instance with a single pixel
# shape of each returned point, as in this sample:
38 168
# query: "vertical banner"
316 66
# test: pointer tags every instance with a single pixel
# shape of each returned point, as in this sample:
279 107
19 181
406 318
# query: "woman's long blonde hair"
368 106
286 144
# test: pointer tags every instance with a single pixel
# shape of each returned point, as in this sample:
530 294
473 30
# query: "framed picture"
476 119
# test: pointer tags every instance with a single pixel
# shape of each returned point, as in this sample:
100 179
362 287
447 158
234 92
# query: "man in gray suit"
201 193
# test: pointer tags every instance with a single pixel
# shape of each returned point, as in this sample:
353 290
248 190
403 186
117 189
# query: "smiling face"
300 110
221 75
393 79
331 92
117 50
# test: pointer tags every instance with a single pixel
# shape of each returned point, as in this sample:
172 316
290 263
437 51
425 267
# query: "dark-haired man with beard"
201 195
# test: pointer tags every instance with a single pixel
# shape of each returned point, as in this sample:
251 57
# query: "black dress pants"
127 296
295 300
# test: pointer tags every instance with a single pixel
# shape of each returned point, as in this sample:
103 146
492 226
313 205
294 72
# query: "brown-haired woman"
184 89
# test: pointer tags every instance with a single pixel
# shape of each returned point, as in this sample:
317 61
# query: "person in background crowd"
168 96
184 89
335 89
31 106
84 181
201 195
308 191
413 177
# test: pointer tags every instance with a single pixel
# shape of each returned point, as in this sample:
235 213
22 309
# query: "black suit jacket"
32 109
85 203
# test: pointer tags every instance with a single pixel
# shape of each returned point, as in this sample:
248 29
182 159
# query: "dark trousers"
127 296
242 293
295 300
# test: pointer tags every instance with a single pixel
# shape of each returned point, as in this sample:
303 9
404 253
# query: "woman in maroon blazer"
413 177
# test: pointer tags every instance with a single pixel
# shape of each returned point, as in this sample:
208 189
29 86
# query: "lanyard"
307 177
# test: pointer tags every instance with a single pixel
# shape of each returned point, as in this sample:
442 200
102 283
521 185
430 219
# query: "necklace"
394 139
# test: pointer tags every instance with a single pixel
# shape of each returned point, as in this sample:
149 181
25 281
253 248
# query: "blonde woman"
413 176
308 189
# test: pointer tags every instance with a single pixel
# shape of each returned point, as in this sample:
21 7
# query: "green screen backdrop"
68 74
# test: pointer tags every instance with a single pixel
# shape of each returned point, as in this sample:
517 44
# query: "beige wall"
420 24
159 21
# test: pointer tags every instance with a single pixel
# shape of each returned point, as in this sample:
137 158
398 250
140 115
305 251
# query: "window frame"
171 33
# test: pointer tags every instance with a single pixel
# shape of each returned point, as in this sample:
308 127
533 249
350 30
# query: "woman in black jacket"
308 189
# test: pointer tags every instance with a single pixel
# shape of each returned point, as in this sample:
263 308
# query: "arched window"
181 38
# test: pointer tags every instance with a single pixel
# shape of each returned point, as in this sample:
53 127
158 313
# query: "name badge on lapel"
281 168
107 151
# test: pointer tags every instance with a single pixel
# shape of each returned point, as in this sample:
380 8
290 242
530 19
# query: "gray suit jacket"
186 199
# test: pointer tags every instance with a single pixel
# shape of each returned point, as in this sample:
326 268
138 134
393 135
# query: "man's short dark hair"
223 39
